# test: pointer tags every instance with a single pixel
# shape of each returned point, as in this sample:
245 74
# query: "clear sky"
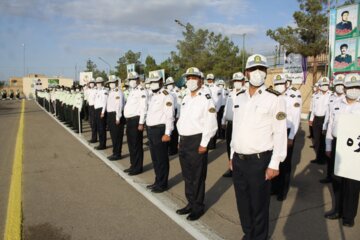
60 35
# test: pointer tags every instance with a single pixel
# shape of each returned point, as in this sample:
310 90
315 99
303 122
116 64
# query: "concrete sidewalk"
299 217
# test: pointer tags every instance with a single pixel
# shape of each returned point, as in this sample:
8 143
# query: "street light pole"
106 63
243 52
180 23
24 66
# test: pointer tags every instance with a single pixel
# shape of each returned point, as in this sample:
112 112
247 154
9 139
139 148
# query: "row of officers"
259 123
11 95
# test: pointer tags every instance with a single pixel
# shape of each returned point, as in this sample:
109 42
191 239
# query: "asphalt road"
69 193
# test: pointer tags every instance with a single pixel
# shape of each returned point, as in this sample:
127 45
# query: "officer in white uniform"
100 112
175 93
216 95
259 144
338 95
92 119
159 124
292 97
224 96
346 191
77 109
135 113
320 105
227 120
315 91
197 125
115 121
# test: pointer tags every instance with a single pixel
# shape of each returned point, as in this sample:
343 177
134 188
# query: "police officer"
224 96
258 145
92 118
160 123
280 185
100 112
197 125
227 120
77 109
177 97
135 112
115 121
315 91
346 191
216 95
320 105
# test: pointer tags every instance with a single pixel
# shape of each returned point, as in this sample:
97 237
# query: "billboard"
295 67
85 77
130 67
53 83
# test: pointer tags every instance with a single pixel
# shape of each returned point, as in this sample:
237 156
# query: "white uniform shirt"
228 110
216 94
79 100
340 107
161 110
115 102
225 95
91 96
198 115
136 104
259 125
320 104
293 110
333 99
101 99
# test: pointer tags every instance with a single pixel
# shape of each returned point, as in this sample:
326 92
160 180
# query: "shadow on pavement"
45 231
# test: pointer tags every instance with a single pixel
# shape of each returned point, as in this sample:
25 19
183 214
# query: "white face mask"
132 83
77 90
353 93
154 86
91 85
221 86
280 88
112 85
99 85
147 86
257 78
339 89
324 88
169 87
192 85
246 85
72 91
237 85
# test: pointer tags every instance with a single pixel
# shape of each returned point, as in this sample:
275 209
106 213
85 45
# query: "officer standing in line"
216 95
224 97
292 97
227 120
135 113
175 93
258 146
86 101
160 124
77 109
115 120
338 95
315 91
197 125
204 85
346 191
100 112
92 118
320 105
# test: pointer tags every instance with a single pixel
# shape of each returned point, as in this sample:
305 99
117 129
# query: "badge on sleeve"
169 104
280 116
212 110
118 97
297 105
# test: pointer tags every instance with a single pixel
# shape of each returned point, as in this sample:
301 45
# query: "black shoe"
183 211
109 157
348 223
100 148
172 153
92 141
312 146
325 180
158 189
114 157
151 186
133 173
228 174
318 162
309 137
128 170
281 198
332 215
195 216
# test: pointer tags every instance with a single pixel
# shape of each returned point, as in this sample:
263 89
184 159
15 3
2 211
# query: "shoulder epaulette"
270 90
242 91
294 89
165 92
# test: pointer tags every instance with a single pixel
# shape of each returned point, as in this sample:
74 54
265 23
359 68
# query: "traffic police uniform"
197 125
115 121
92 118
159 122
315 91
346 191
77 109
258 145
135 113
224 97
292 97
100 112
320 105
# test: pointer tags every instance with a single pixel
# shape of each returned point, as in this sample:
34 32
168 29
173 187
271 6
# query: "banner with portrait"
295 67
85 77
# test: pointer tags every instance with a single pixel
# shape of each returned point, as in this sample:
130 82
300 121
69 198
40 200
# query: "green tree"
308 37
91 67
150 65
129 58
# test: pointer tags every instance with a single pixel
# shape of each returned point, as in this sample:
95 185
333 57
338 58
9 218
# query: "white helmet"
256 60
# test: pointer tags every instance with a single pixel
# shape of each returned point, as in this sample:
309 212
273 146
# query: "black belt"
131 118
252 156
183 138
156 126
319 116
